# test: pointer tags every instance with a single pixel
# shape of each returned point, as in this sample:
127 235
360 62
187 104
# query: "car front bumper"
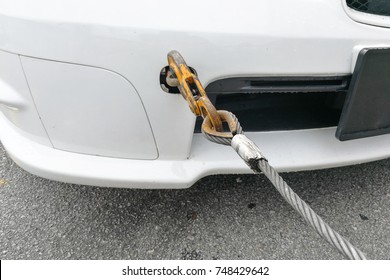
260 38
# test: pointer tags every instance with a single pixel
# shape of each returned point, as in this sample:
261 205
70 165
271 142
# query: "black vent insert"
280 103
376 7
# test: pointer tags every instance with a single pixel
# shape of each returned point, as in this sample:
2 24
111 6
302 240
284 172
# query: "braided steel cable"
237 129
322 228
252 156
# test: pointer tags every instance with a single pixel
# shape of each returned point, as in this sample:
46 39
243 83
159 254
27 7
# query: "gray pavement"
221 217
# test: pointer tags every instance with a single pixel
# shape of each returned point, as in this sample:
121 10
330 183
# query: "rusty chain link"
195 95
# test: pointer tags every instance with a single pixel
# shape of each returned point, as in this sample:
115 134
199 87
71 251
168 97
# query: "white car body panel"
229 39
86 110
16 101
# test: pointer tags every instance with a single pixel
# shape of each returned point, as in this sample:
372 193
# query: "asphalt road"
221 217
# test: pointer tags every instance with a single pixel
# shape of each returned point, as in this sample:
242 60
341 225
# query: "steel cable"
322 228
252 156
223 140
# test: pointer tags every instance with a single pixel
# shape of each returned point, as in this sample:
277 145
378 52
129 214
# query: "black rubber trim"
366 111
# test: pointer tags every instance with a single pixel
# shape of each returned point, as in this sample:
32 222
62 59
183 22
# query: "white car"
84 98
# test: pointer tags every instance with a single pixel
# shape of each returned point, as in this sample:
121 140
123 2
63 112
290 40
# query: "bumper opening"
281 103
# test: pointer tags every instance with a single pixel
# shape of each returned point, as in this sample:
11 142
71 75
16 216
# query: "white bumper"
309 149
244 38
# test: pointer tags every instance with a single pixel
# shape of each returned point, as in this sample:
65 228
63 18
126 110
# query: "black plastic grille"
377 7
280 103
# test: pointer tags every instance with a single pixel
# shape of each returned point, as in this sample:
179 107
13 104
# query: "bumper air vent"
280 103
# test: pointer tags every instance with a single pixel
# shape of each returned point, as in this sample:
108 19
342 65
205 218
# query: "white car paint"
89 110
121 129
